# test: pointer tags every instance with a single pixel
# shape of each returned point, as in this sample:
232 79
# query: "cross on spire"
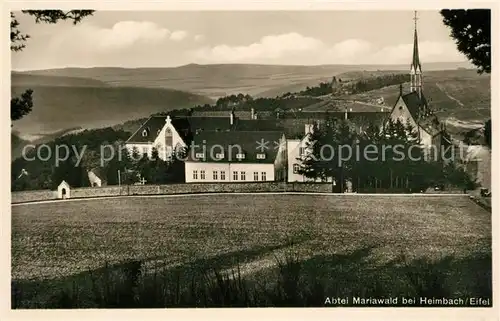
415 18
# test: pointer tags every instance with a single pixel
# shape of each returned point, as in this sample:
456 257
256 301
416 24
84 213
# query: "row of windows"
222 175
221 156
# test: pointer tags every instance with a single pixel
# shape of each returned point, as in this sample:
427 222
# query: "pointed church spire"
416 61
416 68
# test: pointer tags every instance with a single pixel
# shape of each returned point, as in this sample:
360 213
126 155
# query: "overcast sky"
166 39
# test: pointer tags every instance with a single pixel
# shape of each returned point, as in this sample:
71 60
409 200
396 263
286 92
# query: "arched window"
168 137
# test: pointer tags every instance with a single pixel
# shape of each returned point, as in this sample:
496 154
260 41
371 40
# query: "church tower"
416 68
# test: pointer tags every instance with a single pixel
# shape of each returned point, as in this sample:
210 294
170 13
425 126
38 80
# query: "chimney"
345 114
401 89
252 111
308 128
231 118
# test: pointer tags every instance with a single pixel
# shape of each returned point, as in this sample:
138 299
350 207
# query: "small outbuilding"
63 190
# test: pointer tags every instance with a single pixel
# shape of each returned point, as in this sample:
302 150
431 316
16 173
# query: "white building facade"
159 133
297 149
236 157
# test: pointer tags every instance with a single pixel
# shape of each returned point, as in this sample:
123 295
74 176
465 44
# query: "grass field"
346 238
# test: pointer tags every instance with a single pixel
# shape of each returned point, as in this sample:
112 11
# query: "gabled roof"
249 142
415 104
152 126
187 126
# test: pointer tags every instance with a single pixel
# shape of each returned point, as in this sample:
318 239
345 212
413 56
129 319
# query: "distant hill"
460 97
87 103
21 80
219 80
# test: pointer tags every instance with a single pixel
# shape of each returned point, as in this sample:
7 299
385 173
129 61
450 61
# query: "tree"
487 133
310 162
471 30
19 107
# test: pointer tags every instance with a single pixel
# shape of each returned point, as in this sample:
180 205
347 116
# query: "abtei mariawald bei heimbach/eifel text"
408 301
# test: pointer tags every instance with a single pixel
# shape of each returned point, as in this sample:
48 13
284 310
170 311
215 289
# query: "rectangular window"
215 175
240 156
296 168
222 175
243 176
219 155
255 176
195 174
200 155
302 151
202 174
263 176
235 176
261 156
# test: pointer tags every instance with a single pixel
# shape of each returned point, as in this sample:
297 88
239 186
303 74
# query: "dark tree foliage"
471 30
336 88
487 133
17 39
43 172
20 107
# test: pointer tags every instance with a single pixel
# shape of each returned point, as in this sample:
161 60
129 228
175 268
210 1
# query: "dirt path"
449 96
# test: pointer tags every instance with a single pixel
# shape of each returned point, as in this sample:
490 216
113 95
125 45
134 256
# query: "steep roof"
415 103
152 126
417 107
187 126
249 142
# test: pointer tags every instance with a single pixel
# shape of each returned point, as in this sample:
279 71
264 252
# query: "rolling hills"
219 80
462 98
96 97
90 103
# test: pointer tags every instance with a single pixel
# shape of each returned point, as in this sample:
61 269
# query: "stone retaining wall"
30 196
89 192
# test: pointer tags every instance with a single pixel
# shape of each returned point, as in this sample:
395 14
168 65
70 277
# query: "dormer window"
240 156
261 156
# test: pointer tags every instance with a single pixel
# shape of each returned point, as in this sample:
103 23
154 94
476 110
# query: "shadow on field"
291 282
110 285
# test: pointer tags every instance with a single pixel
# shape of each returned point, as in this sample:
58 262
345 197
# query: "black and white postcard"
333 158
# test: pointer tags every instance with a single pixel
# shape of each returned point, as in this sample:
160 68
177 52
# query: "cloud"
294 48
126 33
178 35
199 38
122 35
269 47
